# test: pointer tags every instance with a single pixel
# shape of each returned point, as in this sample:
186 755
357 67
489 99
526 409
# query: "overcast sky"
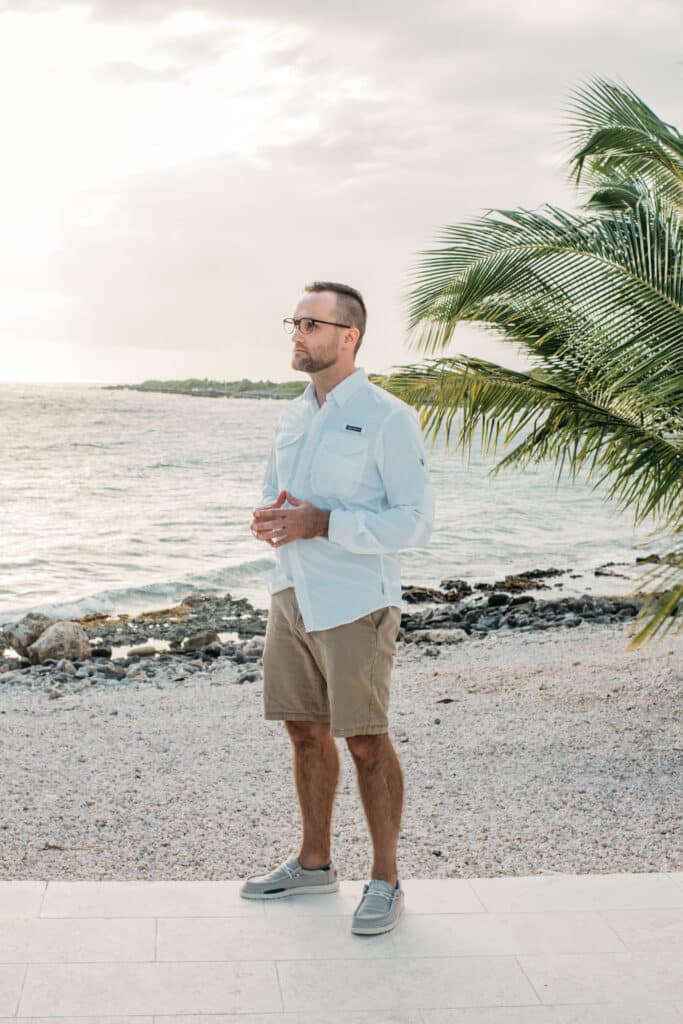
173 173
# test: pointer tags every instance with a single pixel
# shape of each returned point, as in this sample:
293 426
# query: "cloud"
388 120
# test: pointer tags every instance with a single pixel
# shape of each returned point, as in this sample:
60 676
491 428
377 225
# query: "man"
345 489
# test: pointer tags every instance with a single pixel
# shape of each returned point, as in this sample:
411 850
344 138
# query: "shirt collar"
342 391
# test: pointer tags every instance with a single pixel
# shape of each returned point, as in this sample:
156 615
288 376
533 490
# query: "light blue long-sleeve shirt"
362 456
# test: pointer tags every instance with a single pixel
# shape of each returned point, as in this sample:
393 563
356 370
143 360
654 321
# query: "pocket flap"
286 438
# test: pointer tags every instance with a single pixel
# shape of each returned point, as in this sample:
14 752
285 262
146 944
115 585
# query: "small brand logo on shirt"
349 427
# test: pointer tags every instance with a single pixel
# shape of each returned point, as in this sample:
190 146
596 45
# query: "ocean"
125 501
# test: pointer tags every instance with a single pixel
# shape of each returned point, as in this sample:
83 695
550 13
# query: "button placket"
303 466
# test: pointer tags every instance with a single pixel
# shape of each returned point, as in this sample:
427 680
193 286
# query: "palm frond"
613 131
623 274
641 469
662 610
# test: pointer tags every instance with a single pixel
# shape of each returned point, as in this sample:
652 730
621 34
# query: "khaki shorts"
339 675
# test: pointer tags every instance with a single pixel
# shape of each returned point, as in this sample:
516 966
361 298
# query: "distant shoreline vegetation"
221 388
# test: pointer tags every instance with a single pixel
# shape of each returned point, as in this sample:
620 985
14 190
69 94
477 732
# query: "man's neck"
325 380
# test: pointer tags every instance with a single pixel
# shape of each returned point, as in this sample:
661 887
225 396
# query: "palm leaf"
641 468
624 274
662 588
613 130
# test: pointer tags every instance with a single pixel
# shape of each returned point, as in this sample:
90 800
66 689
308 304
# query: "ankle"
385 876
311 862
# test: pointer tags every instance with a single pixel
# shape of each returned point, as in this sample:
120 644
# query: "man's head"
333 342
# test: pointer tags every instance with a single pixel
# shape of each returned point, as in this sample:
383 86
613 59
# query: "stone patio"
550 949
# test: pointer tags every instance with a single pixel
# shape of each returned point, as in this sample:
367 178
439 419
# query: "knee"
307 732
367 748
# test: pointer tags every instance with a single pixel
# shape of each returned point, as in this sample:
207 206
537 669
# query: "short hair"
349 305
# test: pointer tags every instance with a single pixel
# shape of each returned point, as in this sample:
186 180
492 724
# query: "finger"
282 496
271 532
259 528
265 515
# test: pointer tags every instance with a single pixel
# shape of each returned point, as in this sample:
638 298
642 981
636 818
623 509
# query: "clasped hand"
277 526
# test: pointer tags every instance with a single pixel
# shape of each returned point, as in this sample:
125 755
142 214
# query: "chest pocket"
339 464
286 449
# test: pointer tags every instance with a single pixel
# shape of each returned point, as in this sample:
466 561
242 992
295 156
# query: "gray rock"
489 621
518 620
143 651
66 666
439 636
247 677
111 671
254 646
101 652
63 639
26 631
252 627
10 678
200 641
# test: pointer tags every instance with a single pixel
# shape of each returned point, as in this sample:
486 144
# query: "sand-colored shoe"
379 909
290 879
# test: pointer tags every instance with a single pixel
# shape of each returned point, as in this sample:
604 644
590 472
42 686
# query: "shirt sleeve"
409 519
269 485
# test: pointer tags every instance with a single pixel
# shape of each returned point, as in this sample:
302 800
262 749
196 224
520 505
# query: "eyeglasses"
306 324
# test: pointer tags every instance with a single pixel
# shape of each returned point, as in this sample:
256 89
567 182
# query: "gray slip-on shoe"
379 909
290 879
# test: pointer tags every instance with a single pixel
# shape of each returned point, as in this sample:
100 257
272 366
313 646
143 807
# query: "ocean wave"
149 596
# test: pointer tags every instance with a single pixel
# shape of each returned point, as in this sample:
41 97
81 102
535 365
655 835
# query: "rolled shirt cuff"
341 527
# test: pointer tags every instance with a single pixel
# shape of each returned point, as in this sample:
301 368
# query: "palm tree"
596 299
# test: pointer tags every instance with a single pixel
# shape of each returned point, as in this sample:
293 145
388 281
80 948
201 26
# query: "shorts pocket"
378 616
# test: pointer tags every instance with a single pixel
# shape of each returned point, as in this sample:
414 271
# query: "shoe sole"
302 890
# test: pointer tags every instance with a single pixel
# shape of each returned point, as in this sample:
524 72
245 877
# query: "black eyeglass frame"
313 319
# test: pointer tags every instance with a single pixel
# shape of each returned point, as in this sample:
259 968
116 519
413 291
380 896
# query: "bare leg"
380 781
316 772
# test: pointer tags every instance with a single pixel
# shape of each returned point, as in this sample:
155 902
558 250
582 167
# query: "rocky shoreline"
228 632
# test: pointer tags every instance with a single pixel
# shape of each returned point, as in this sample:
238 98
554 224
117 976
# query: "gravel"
522 753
